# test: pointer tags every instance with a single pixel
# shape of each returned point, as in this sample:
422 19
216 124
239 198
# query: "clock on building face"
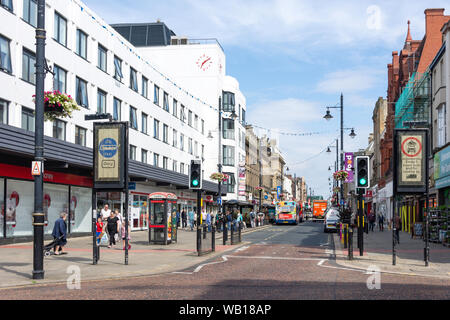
204 62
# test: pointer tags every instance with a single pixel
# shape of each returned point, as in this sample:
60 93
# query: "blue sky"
293 58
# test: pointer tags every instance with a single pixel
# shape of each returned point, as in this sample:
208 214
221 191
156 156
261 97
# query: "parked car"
331 221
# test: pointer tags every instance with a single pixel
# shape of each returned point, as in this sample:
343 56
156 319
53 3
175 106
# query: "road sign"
131 185
219 200
36 168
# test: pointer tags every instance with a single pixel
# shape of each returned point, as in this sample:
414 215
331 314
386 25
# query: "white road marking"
321 262
275 258
241 249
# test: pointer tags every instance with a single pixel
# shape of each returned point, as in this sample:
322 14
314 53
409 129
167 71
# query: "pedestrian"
252 219
219 222
372 220
112 226
204 216
183 219
195 219
59 234
381 222
128 235
239 221
119 222
99 230
105 213
191 220
397 226
229 218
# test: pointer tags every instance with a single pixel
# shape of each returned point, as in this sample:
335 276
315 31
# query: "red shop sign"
11 171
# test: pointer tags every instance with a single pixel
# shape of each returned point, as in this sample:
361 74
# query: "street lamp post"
38 215
328 116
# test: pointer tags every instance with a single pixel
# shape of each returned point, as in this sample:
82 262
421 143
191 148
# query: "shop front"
63 192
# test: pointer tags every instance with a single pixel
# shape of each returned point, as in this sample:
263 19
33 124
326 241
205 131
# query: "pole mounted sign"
410 161
109 155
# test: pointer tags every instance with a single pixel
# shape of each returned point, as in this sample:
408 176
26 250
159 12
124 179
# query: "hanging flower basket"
58 105
219 176
336 190
340 175
259 188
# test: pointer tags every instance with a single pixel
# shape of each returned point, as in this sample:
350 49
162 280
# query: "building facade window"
144 87
165 163
174 165
228 155
243 117
80 136
156 95
27 119
7 4
101 101
102 58
144 154
60 29
182 168
203 126
4 111
133 80
230 183
117 106
30 12
155 129
190 118
133 118
228 129
175 108
81 49
190 147
442 125
5 55
118 69
196 149
166 101
228 101
144 123
59 130
60 79
181 142
28 66
165 133
156 159
196 122
183 114
174 138
132 152
81 92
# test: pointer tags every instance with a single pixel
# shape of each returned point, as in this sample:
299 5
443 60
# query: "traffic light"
362 172
195 175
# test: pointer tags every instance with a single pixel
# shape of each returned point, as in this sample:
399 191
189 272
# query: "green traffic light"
195 183
362 181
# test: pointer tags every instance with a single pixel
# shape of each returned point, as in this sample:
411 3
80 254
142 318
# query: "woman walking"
112 227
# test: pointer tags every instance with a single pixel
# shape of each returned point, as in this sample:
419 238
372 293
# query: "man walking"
183 218
381 222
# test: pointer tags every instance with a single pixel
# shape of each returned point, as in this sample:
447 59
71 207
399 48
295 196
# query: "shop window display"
19 208
55 201
80 209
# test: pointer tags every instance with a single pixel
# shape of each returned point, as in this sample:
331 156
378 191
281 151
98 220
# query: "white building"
165 99
199 66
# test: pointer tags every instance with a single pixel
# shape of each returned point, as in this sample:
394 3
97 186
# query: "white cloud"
353 80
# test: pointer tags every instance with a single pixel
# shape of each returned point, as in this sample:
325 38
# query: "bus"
287 212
